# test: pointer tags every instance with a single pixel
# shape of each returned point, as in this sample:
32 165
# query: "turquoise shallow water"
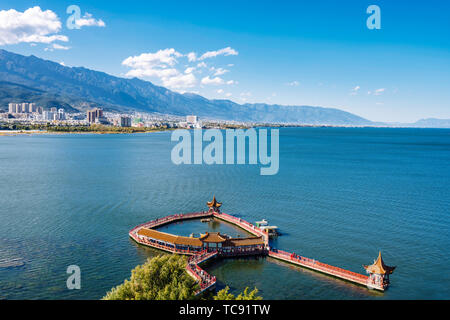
341 195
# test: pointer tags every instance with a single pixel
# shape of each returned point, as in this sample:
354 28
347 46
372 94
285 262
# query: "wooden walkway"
207 281
163 221
204 279
321 267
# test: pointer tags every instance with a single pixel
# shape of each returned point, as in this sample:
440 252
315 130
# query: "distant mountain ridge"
76 88
432 123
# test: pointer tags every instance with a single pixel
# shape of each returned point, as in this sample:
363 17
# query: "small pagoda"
379 273
214 205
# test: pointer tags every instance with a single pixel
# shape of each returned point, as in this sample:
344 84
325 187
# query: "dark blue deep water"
341 195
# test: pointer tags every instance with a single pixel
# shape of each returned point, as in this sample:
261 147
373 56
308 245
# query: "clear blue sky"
287 52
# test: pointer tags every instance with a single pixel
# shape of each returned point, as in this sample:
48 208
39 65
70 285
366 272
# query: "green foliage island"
165 277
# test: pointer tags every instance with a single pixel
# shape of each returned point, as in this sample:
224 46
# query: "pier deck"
204 279
207 281
321 267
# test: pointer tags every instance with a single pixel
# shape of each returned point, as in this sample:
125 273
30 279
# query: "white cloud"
161 58
56 46
293 84
221 91
192 56
31 26
354 91
161 65
180 81
214 81
244 96
219 71
88 21
60 47
228 51
167 67
379 91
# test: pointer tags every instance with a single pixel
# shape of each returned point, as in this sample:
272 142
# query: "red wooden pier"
200 249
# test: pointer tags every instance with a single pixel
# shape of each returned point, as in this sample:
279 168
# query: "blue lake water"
341 195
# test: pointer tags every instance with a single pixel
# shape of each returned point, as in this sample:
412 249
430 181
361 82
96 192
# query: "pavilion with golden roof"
214 205
379 272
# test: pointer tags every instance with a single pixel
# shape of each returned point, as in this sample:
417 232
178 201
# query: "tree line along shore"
96 128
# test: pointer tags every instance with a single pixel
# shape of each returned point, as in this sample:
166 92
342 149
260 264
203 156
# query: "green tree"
246 295
165 277
160 278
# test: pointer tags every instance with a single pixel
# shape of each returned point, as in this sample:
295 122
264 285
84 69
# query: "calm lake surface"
341 195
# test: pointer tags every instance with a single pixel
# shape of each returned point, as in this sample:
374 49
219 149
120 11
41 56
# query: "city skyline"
293 54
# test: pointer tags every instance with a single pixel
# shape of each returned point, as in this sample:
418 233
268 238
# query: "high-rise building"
15 108
32 107
24 107
91 116
54 109
48 115
94 114
61 114
125 121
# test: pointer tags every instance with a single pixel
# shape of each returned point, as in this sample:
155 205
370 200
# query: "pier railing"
320 266
244 225
174 217
204 279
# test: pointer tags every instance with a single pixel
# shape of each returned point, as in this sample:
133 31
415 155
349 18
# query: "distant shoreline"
101 132
44 132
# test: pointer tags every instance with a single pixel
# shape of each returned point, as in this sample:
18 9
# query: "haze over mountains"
49 84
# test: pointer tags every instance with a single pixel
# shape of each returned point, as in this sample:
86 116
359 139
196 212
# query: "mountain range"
50 84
